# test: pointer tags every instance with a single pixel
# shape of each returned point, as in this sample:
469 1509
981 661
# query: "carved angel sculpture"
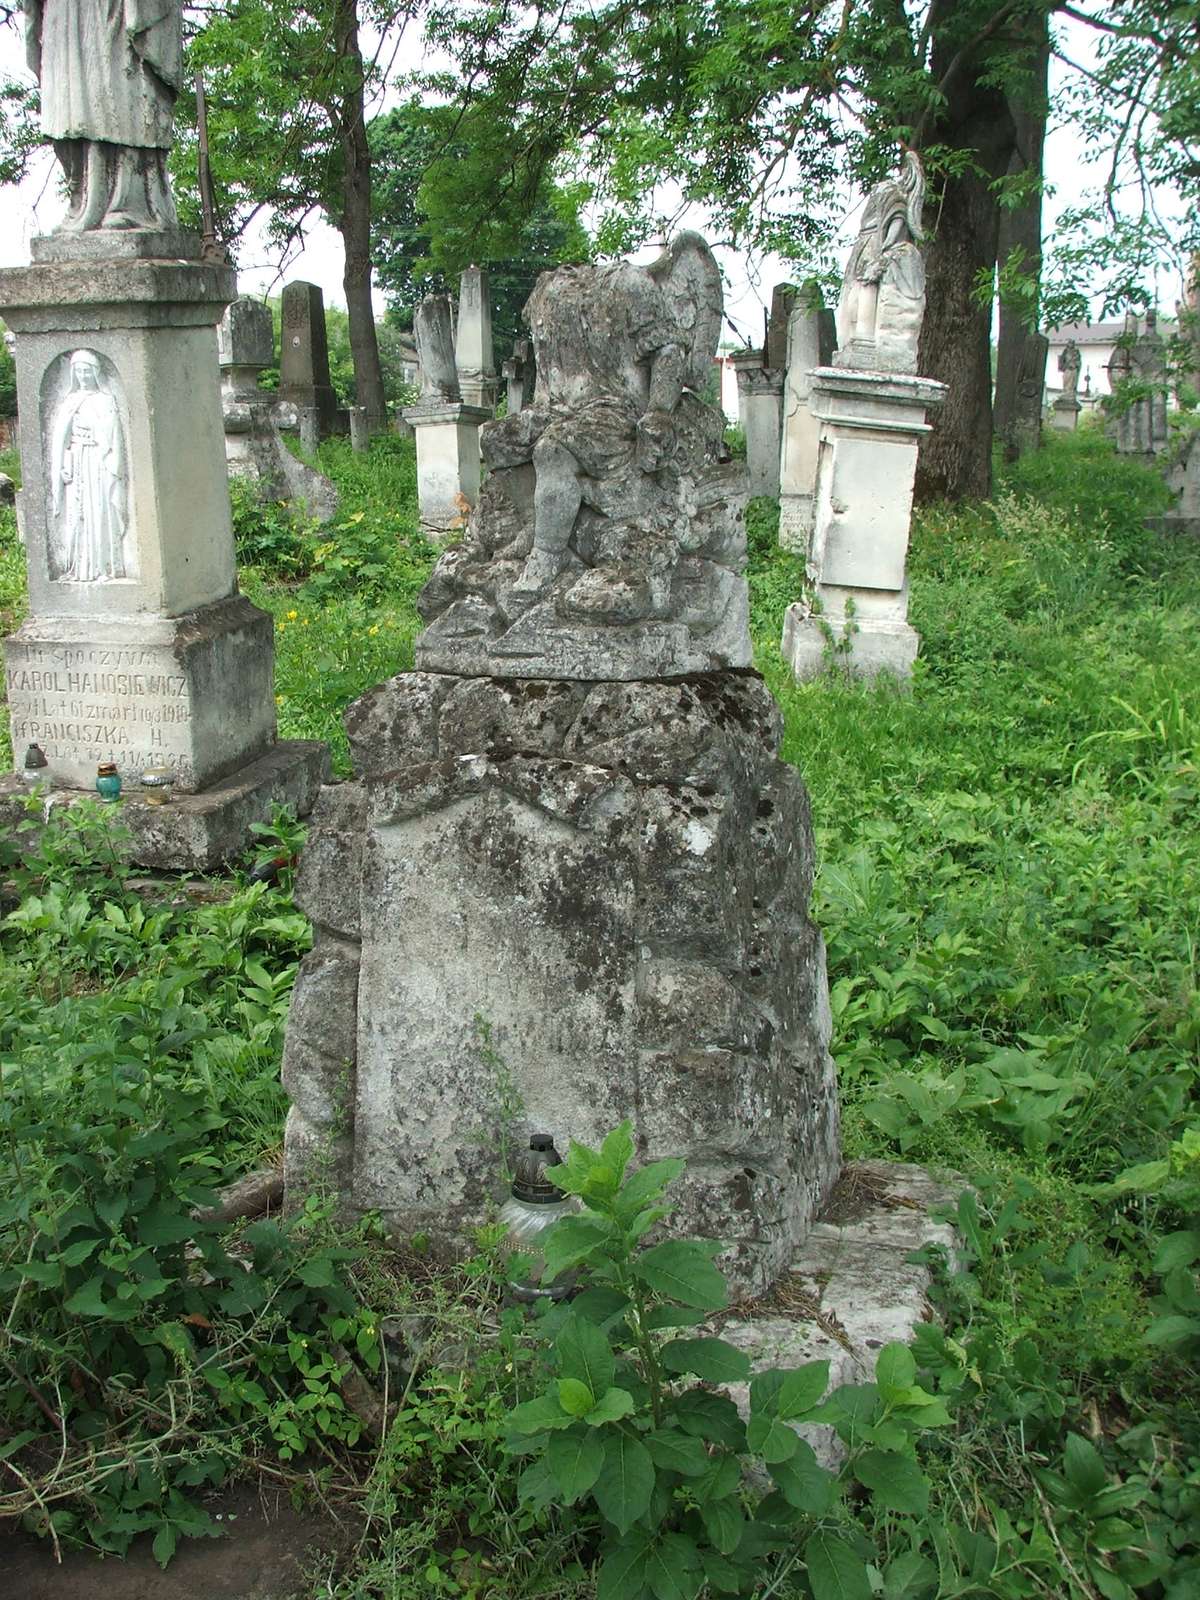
883 289
109 72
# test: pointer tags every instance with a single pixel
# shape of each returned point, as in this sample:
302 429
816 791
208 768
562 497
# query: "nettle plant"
630 1425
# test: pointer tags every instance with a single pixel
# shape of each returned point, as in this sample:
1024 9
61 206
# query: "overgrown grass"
1009 887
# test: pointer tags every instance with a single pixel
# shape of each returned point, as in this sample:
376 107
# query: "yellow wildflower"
292 615
373 630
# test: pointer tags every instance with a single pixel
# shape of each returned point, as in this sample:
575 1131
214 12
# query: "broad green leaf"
612 1405
895 1370
710 1416
622 1573
165 1540
537 1485
681 1269
574 1397
584 1353
911 1576
1172 1330
617 1150
574 1460
572 1240
673 1568
643 1187
834 1571
76 1254
771 1439
710 1359
677 1452
895 1481
724 1523
89 1301
662 1317
535 1416
600 1305
721 1574
1084 1466
803 1481
801 1390
626 1481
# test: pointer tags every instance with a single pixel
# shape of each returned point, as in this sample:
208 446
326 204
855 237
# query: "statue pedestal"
137 649
871 425
447 436
1064 414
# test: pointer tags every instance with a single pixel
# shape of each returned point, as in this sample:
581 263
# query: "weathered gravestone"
1030 402
474 356
811 342
255 418
871 409
571 825
760 381
137 649
304 380
446 426
1137 375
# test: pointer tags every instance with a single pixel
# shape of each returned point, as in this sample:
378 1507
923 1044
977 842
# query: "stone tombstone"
519 377
1067 406
1031 397
871 415
255 419
1137 375
445 425
304 379
1150 370
360 430
811 342
882 305
570 824
137 648
783 300
760 411
474 356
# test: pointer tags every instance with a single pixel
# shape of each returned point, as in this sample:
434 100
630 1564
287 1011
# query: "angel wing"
688 274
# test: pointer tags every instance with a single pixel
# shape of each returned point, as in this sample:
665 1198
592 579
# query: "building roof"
1085 333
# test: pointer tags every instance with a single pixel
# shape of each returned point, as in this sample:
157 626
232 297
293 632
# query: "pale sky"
35 206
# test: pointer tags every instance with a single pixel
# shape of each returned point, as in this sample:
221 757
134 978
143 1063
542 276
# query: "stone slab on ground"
851 1288
265 1554
200 832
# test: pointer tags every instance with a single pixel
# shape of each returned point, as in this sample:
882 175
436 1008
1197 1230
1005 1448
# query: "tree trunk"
1021 229
956 458
355 221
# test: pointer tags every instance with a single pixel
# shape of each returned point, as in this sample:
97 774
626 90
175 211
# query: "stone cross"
519 377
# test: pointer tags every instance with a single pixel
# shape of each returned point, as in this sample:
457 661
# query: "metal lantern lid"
158 777
530 1182
35 758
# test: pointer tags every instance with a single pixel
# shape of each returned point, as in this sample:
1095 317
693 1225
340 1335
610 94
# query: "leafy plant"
630 1425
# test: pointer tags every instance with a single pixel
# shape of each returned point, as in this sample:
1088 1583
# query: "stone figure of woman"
109 72
1069 363
882 304
89 470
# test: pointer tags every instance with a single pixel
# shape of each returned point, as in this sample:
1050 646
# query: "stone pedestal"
1064 414
447 436
137 648
871 427
810 344
615 879
760 407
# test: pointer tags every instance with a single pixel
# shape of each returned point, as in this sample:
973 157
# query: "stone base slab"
875 647
194 692
116 244
199 832
851 1288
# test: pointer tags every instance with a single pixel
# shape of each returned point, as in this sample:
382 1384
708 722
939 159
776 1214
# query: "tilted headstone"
137 649
446 427
1030 401
474 356
871 410
304 379
519 377
570 823
255 419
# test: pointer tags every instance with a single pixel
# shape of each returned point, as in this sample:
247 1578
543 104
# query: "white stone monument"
872 410
811 341
446 427
474 356
137 649
1064 413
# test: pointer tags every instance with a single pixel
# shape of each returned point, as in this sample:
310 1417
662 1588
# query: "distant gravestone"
760 402
871 409
446 427
1030 397
304 378
474 356
520 376
811 343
